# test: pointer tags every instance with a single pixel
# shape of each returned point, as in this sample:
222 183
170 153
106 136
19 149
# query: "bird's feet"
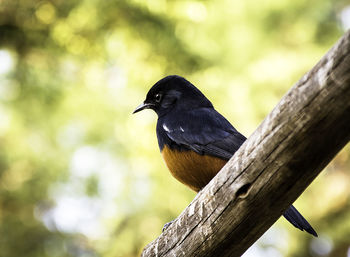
166 225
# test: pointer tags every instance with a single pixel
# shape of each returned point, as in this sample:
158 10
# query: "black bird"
195 140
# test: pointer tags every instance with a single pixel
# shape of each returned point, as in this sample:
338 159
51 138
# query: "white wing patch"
166 128
172 130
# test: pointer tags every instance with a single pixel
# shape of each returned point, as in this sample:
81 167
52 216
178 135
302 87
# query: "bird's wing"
205 131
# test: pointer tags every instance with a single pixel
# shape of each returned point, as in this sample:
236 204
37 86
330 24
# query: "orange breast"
190 168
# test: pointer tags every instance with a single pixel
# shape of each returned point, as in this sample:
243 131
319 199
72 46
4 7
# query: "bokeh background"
81 176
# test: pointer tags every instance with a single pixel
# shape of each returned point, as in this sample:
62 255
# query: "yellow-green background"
81 176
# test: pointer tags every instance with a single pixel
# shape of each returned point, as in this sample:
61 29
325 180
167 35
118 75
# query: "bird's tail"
298 221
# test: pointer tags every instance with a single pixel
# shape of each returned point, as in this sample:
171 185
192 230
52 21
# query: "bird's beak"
143 106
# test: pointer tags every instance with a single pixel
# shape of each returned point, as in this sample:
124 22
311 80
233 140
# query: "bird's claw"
166 225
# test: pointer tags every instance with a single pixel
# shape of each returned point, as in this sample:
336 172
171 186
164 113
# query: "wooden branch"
271 169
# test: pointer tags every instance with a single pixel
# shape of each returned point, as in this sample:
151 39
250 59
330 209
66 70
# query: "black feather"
298 221
202 130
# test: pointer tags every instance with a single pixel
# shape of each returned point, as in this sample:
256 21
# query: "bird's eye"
158 97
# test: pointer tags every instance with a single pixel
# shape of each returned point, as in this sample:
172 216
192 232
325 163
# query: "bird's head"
173 92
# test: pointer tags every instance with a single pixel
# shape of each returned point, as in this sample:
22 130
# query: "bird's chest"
191 168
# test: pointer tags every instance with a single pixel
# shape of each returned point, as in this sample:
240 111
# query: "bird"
194 139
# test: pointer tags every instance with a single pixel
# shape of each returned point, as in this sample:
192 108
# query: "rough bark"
272 168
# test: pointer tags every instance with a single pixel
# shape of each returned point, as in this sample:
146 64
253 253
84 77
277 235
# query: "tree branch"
272 168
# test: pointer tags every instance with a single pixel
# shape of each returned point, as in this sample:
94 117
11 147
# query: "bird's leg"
166 225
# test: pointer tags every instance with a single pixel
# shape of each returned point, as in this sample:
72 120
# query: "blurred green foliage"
81 176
